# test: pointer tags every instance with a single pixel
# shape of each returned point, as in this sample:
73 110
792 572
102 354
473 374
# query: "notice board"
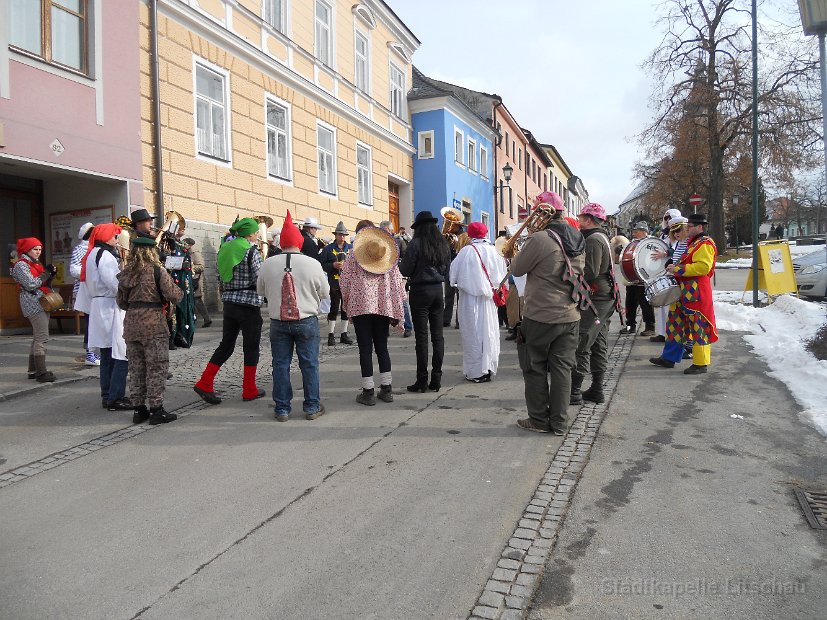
776 275
63 236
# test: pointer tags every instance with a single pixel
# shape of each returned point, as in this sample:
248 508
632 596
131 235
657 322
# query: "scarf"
36 268
230 254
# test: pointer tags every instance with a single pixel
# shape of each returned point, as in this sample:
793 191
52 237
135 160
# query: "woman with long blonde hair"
144 286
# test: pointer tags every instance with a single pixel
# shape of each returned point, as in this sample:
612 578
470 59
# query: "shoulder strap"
98 257
157 273
581 293
482 262
287 267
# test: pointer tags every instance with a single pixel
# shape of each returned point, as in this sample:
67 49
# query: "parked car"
811 273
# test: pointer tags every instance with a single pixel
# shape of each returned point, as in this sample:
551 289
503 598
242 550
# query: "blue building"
453 162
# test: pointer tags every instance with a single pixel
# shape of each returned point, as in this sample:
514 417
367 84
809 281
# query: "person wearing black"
311 246
332 258
426 264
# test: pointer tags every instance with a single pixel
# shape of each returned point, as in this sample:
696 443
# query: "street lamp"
508 170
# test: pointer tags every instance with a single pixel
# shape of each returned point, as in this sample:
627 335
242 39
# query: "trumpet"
451 225
264 222
537 220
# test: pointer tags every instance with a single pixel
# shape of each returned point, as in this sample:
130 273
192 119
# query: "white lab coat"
476 312
105 318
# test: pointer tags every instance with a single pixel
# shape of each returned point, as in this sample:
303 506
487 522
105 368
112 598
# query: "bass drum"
51 301
637 263
663 291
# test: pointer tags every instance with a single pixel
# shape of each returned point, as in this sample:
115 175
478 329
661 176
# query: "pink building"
70 147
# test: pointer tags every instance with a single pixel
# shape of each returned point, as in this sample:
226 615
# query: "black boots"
595 392
345 339
386 393
436 381
158 415
576 384
421 384
32 370
141 415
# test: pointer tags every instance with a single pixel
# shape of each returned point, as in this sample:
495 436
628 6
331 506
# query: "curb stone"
516 576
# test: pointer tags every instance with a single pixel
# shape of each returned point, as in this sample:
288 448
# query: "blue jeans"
408 324
304 334
112 377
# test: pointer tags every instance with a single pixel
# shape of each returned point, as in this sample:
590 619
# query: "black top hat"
424 217
697 218
140 215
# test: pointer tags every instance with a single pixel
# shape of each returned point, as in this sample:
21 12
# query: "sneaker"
91 359
314 414
97 360
345 339
331 340
366 397
282 417
529 425
121 404
158 415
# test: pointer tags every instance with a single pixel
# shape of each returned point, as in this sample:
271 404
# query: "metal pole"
822 56
755 222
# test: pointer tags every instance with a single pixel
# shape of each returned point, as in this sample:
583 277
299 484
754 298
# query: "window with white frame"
484 218
472 155
57 31
483 162
397 88
425 144
326 151
278 140
274 14
459 147
211 113
362 53
363 175
324 32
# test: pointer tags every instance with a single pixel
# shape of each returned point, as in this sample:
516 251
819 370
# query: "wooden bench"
67 312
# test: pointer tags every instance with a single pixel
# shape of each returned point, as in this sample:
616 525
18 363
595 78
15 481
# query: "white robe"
105 318
476 312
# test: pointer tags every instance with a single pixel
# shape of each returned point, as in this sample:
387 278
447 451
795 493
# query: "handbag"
499 294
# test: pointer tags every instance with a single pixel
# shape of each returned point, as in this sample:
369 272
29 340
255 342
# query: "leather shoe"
208 397
695 370
527 424
657 339
659 361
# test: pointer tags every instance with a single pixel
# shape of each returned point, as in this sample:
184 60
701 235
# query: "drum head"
647 266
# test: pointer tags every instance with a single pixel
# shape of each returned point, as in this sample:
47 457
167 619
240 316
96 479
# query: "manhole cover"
814 505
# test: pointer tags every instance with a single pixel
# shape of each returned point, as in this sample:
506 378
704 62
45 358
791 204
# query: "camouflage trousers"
148 364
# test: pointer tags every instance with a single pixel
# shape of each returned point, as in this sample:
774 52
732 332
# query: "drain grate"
814 505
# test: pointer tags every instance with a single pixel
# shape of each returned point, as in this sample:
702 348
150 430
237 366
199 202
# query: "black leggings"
372 335
244 319
427 304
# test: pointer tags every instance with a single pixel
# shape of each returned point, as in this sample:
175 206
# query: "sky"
568 71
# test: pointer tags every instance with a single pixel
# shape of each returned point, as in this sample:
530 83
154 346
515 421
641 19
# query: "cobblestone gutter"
510 589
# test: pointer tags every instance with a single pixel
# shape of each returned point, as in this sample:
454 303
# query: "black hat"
697 218
188 240
424 217
141 215
146 241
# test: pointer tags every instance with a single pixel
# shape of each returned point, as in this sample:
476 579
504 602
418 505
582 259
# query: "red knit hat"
477 230
26 244
291 236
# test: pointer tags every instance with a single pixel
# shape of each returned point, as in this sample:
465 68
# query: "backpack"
289 309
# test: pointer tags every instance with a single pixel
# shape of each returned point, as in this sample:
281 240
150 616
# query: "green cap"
147 241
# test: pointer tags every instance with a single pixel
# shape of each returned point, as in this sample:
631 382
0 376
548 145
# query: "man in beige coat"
548 333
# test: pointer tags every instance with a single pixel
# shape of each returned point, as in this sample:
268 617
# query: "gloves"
51 269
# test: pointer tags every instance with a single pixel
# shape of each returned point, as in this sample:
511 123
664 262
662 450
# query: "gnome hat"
291 236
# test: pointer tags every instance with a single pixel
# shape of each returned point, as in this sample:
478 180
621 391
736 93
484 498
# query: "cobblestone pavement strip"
514 581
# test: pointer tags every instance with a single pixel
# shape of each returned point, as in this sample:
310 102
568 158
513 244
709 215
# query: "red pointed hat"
291 236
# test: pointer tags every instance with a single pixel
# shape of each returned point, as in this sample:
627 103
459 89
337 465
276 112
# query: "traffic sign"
522 212
695 200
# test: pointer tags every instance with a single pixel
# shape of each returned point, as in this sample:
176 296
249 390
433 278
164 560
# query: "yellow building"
269 105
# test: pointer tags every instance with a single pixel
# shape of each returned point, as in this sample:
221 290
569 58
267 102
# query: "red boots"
249 390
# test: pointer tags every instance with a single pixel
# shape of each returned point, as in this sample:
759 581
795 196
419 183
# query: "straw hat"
375 250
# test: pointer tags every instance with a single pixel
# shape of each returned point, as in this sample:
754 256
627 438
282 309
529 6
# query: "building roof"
639 190
423 87
481 104
538 147
556 153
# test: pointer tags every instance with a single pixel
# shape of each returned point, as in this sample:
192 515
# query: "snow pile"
778 335
746 261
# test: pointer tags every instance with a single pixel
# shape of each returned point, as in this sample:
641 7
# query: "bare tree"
704 76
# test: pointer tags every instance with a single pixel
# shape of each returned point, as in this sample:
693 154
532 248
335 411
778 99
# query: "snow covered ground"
746 261
778 333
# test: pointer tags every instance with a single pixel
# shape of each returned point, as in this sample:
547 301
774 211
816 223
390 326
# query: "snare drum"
663 291
637 263
51 301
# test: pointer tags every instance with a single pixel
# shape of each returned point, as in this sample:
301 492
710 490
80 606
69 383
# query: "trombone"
538 219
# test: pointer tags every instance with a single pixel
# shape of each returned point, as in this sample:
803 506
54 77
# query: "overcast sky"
568 71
